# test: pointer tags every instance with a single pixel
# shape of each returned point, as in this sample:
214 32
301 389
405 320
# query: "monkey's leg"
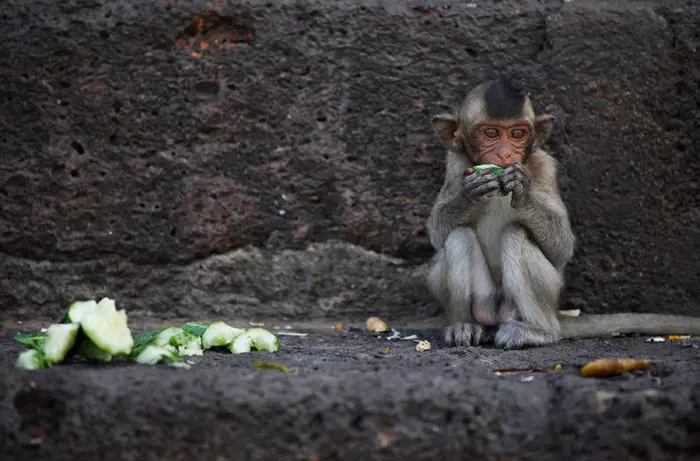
458 278
531 288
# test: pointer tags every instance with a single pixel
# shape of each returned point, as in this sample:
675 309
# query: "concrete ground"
353 395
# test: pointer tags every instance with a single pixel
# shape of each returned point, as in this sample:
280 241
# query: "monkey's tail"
590 326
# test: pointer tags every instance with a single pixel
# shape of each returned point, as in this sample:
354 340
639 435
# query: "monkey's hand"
465 334
480 186
516 178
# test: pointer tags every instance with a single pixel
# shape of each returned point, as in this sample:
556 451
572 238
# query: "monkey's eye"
517 133
491 132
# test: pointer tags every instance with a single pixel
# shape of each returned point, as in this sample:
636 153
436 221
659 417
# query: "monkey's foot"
464 334
516 335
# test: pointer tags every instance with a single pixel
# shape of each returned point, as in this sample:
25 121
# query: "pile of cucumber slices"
99 332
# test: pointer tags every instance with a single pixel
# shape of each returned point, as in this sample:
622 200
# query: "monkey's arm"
460 200
450 210
547 220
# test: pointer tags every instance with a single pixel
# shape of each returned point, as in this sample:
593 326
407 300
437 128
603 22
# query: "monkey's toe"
464 334
516 335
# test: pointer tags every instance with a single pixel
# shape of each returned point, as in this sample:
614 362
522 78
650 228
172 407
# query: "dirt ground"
353 395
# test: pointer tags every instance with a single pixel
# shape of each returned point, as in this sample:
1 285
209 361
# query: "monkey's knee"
526 267
435 277
459 243
531 287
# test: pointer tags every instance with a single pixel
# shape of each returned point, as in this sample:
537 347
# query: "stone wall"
276 158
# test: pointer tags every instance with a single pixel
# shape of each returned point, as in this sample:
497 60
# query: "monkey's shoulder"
542 164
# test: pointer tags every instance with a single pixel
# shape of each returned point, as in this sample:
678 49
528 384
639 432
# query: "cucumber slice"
107 328
32 340
192 346
150 355
258 339
32 359
263 340
241 344
59 340
86 348
172 338
147 351
78 309
497 170
219 334
186 342
195 328
170 335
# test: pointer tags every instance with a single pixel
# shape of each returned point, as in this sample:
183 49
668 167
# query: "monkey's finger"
475 183
509 183
484 189
512 180
461 334
480 177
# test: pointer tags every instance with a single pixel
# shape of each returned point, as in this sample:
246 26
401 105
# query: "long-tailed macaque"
503 240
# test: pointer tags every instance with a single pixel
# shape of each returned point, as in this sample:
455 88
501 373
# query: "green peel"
495 169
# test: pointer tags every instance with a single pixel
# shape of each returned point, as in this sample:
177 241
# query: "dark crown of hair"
505 97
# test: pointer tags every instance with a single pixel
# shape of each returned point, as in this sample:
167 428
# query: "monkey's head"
496 124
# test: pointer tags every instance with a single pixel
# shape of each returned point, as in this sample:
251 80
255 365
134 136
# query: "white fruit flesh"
241 345
60 338
30 359
219 334
154 354
192 347
263 340
108 328
78 309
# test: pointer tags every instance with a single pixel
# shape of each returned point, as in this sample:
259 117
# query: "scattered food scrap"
338 326
387 350
570 312
678 337
397 335
502 371
613 366
377 325
263 365
655 339
98 332
423 346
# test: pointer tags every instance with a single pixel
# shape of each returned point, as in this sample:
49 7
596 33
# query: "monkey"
502 240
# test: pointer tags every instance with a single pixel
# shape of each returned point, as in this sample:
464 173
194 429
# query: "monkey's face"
502 142
496 124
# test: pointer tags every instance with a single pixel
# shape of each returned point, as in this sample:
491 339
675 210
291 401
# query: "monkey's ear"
543 128
446 126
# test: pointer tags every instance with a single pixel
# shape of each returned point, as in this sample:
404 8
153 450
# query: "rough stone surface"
348 398
148 136
332 279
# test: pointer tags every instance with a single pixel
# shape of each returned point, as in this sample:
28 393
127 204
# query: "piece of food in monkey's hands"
612 366
376 325
495 169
